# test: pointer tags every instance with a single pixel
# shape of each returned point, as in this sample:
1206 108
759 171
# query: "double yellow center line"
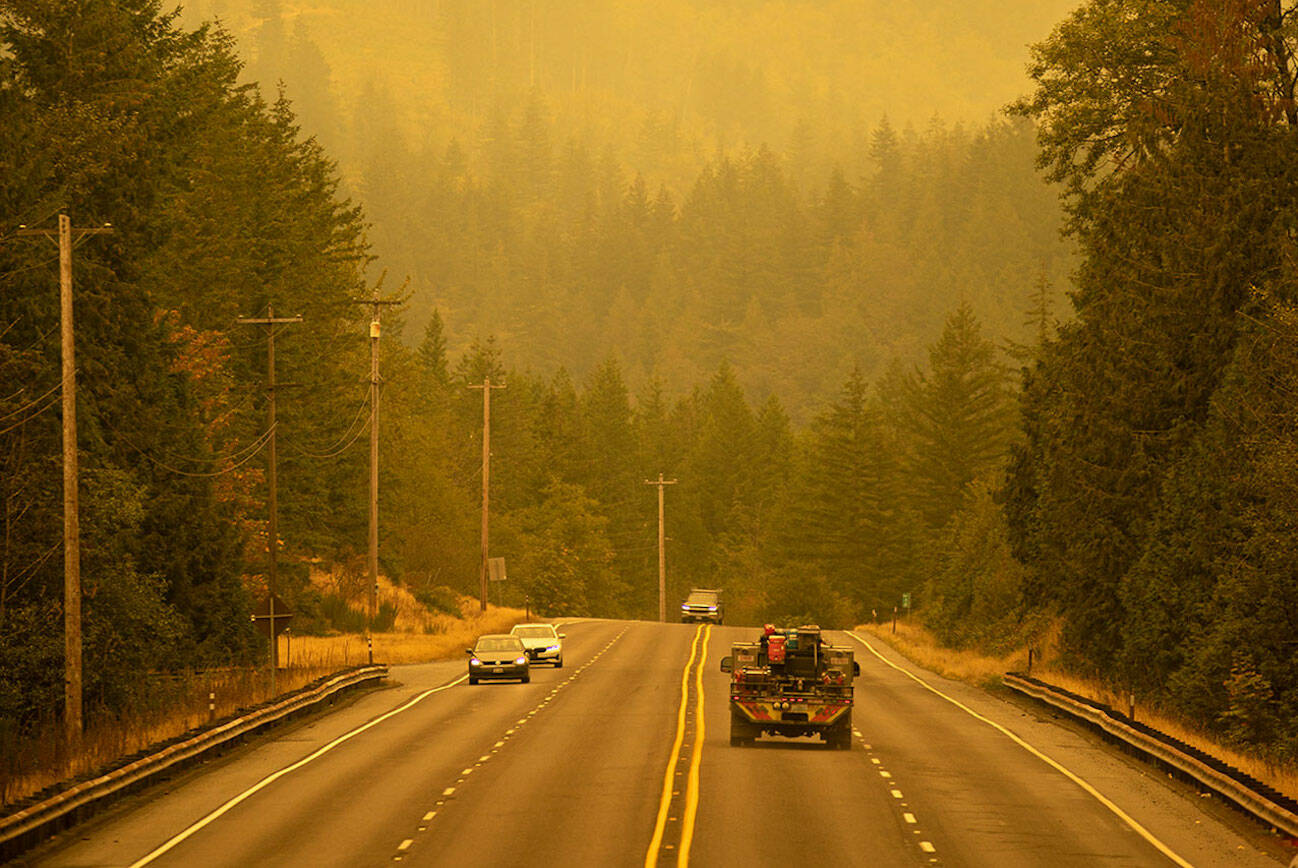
698 657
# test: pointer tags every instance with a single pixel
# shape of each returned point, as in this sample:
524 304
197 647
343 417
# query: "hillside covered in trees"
223 208
859 365
798 188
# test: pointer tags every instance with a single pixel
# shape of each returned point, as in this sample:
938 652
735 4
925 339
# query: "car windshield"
702 598
537 631
498 643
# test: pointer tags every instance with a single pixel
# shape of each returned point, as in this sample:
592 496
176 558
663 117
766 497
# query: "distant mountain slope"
795 187
724 71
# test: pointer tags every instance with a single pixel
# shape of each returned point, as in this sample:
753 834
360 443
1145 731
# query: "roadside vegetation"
860 366
174 703
919 645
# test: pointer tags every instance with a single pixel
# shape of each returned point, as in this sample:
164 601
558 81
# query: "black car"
498 655
703 604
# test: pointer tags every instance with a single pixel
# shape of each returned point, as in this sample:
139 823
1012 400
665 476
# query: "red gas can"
775 649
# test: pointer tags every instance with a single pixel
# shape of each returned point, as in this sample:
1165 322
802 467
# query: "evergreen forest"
856 340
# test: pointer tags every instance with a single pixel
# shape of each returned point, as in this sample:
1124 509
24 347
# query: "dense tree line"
840 437
112 113
830 523
551 246
772 217
222 208
1152 499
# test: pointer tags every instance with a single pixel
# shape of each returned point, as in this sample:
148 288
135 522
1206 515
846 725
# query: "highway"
601 763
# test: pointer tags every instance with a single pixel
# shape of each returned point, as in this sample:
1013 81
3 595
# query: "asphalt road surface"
609 762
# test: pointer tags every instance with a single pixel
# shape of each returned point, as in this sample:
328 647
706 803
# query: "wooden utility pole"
486 388
662 547
377 304
272 472
71 507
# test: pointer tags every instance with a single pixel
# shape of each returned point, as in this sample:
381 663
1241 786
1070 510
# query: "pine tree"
959 418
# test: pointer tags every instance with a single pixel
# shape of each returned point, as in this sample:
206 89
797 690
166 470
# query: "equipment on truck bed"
791 683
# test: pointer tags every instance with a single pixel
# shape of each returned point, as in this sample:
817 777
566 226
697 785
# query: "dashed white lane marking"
1090 790
906 814
270 779
509 732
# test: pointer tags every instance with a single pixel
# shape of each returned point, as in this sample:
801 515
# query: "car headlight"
474 661
712 608
521 659
552 648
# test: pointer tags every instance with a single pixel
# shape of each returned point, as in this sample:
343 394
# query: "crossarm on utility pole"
377 304
72 676
486 388
662 547
272 477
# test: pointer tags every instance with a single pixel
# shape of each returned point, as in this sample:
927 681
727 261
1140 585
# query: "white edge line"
1092 791
270 779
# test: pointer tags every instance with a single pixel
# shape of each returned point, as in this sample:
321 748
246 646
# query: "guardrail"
1251 795
24 828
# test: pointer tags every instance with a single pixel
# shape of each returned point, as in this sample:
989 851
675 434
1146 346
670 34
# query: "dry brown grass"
181 701
446 638
918 645
350 583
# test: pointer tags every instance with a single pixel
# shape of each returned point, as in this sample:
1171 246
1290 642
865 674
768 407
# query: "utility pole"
272 471
486 388
662 547
377 304
71 508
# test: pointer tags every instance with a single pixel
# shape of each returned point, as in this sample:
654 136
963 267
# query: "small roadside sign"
261 616
905 602
496 569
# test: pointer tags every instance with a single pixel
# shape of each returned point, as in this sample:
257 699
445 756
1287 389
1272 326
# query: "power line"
256 446
335 452
30 570
347 432
52 401
235 454
31 403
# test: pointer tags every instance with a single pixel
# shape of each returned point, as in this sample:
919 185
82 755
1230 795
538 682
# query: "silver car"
544 644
